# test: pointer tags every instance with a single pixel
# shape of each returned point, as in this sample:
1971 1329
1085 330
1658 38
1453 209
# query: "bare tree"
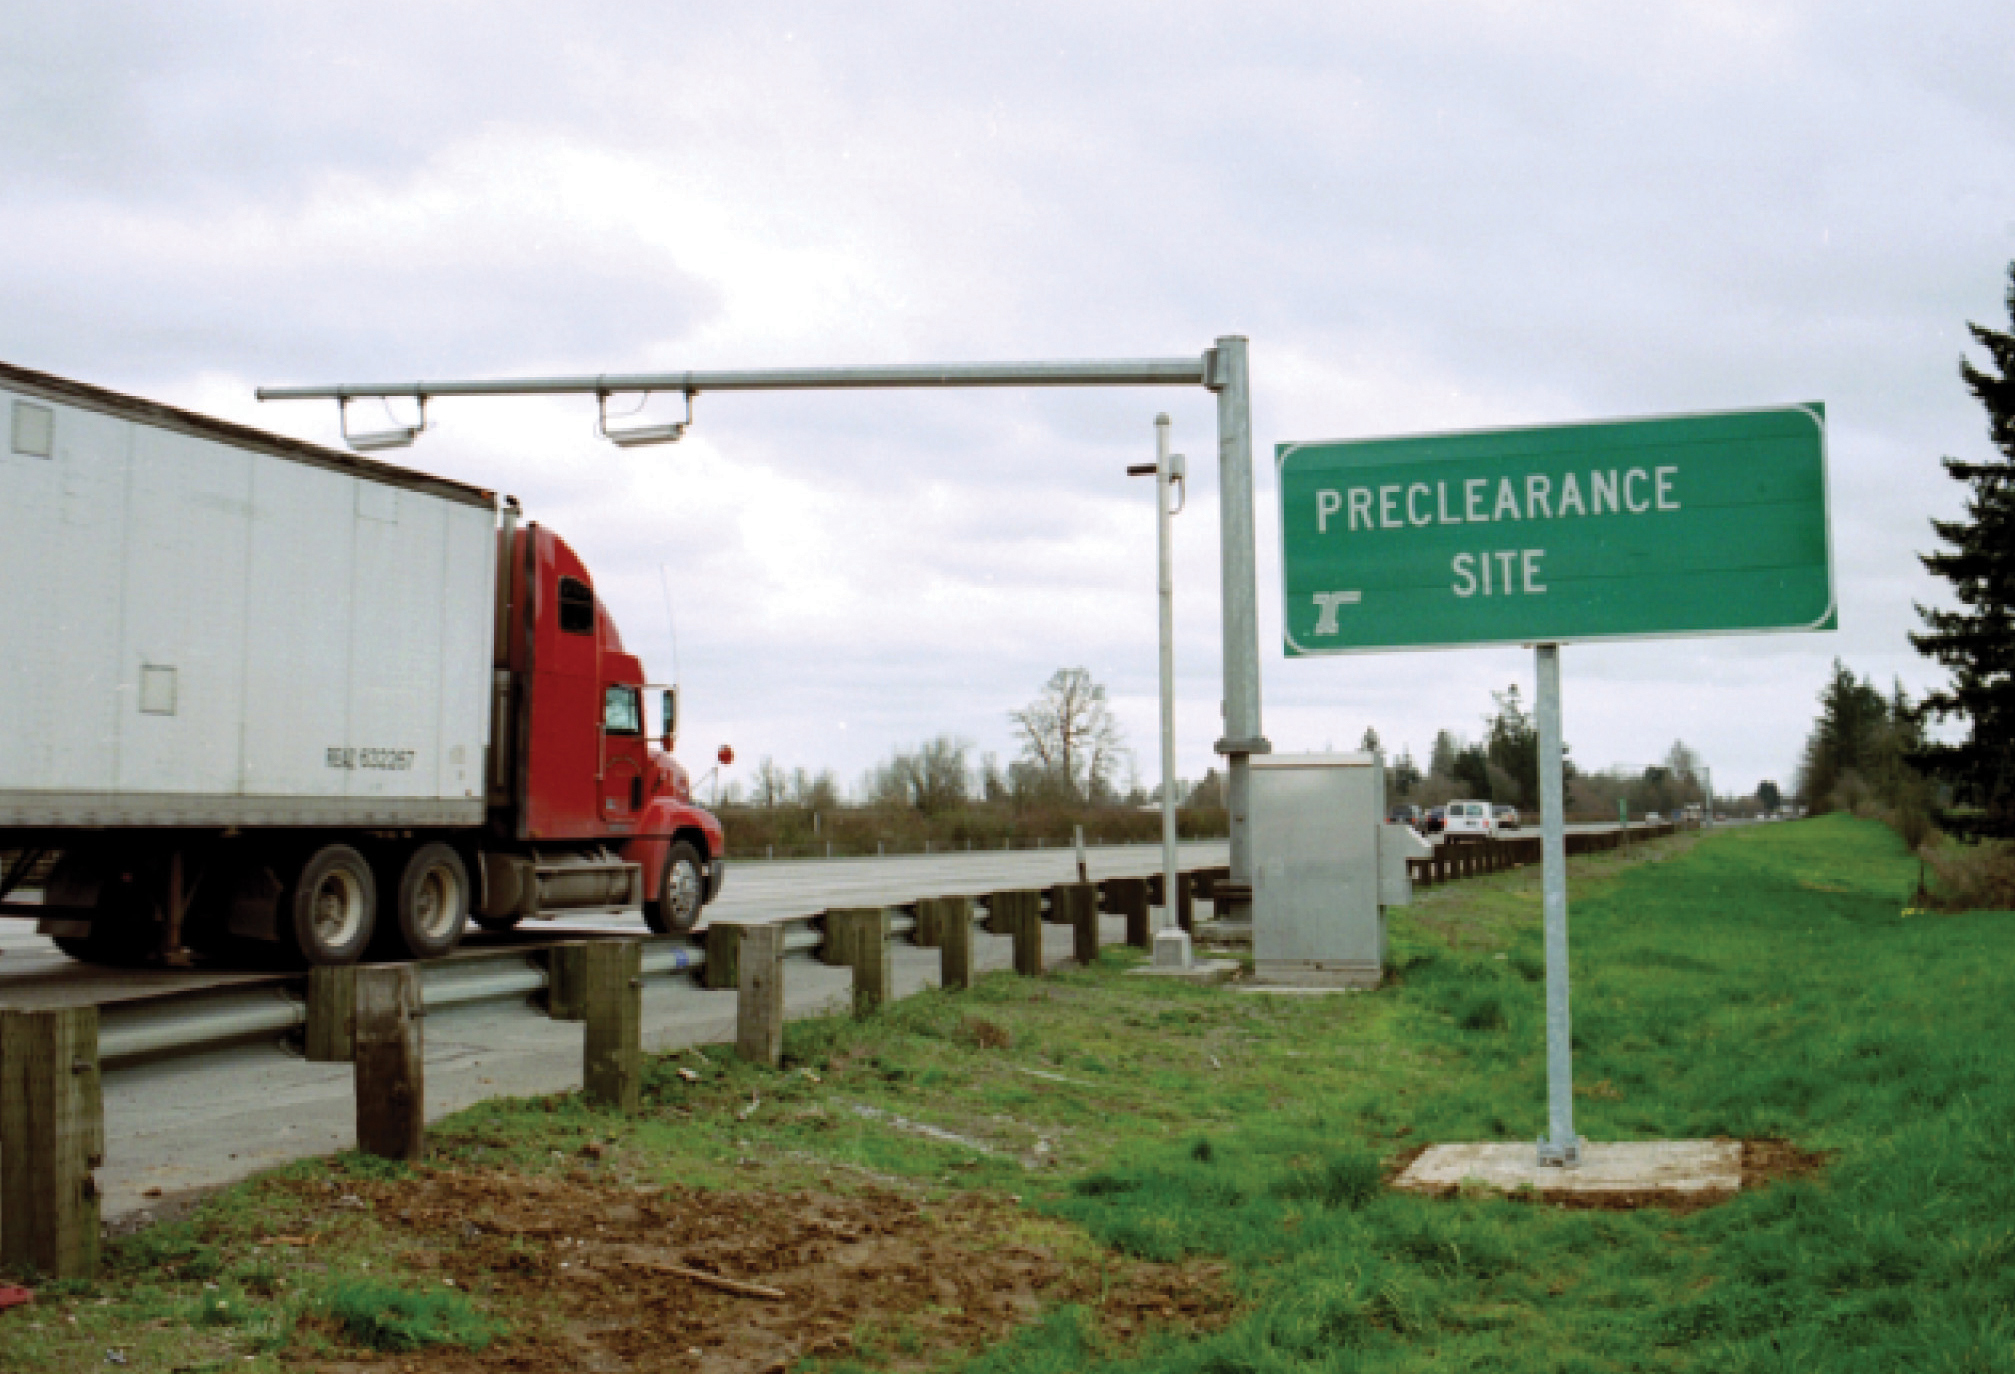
771 785
930 779
1069 733
820 792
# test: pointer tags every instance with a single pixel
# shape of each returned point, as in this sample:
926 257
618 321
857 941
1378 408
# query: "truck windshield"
622 711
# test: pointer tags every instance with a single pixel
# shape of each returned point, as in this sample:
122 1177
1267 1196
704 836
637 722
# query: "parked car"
1432 822
1406 815
1507 818
1653 818
1470 820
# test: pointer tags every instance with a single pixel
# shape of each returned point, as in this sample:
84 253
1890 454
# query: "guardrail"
1467 858
51 1060
51 1104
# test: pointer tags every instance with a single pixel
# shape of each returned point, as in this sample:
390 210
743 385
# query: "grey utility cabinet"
1326 864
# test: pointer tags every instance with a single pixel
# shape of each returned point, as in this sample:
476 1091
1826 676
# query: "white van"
1470 820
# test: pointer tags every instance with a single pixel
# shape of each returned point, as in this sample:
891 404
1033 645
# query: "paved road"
200 1121
33 970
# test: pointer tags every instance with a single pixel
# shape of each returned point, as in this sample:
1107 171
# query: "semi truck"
262 697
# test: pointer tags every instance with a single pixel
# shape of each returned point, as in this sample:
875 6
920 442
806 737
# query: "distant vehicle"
1653 818
1433 821
1470 820
1406 815
1507 817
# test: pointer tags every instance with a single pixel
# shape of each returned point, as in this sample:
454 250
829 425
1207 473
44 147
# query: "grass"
1759 983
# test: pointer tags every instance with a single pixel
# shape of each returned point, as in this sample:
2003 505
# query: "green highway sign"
1678 525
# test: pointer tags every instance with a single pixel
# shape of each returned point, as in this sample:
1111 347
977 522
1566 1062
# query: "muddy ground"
575 1264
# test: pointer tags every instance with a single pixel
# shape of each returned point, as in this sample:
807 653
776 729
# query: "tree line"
1501 766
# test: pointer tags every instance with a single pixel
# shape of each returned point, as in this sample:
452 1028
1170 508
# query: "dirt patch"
1765 1161
584 1268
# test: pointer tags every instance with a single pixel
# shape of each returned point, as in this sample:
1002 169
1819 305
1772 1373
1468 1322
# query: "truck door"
624 756
564 764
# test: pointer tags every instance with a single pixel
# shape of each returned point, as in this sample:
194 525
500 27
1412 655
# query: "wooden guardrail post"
759 1007
332 1008
955 940
567 981
52 1136
859 938
1076 905
930 923
391 1062
613 1047
1128 897
724 943
1019 914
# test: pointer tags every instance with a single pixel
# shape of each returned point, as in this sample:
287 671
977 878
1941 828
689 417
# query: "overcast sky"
1424 216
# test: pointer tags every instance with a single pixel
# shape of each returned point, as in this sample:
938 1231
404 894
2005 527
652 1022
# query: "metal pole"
1560 1145
1707 812
1125 372
1227 374
1164 535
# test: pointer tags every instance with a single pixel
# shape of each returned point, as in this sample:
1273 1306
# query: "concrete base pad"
1202 971
1308 973
1630 1174
1224 932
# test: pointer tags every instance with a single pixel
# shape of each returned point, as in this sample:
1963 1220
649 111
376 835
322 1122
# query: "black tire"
431 901
331 907
497 923
682 892
122 923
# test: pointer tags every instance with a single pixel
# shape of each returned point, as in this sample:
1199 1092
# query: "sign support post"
1560 1146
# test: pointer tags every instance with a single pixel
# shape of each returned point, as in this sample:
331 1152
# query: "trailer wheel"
433 901
508 921
333 906
682 891
122 926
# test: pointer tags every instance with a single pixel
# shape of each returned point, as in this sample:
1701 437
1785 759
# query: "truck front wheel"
333 906
433 901
682 891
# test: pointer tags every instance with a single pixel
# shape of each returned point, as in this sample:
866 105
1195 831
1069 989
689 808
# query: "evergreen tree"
1977 644
1845 750
1441 759
1404 776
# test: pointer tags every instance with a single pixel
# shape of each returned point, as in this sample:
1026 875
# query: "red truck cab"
587 769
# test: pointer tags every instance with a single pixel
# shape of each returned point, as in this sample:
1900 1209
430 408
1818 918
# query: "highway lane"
196 1122
33 970
199 1121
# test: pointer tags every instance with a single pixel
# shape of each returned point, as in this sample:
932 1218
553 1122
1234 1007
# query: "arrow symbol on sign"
1327 602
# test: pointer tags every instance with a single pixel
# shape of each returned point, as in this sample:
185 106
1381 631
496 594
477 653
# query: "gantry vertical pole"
1165 588
1226 374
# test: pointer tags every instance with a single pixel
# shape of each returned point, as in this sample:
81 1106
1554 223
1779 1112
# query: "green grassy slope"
1757 983
1762 984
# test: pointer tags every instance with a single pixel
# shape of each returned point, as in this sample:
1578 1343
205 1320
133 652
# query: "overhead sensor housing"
640 435
400 436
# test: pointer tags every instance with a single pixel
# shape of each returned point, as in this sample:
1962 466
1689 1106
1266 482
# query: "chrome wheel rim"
437 903
682 891
338 908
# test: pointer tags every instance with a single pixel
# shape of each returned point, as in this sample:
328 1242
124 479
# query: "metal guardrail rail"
199 1020
213 1018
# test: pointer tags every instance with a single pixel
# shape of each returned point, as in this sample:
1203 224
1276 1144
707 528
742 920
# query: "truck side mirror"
671 711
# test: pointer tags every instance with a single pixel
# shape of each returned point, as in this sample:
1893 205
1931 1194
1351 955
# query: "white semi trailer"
252 687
